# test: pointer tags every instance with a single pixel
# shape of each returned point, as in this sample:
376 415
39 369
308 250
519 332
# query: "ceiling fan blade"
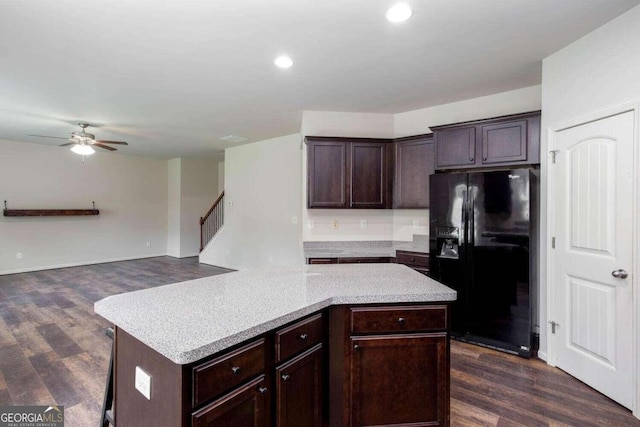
45 136
68 143
106 147
113 142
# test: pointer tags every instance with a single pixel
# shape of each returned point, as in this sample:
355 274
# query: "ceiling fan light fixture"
83 150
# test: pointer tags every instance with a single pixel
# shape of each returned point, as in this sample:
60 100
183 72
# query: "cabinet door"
455 147
370 179
414 164
299 390
399 380
243 407
363 260
328 178
504 142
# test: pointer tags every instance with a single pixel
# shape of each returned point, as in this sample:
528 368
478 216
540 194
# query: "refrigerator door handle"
463 218
471 225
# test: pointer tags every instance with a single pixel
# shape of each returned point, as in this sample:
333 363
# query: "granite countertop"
191 320
376 248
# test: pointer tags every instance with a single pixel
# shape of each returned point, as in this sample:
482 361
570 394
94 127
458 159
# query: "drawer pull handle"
304 337
235 370
262 390
285 377
402 321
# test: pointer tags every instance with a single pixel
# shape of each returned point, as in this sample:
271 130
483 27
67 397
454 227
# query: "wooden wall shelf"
50 212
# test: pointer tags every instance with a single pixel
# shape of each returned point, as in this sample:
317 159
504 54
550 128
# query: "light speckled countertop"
191 320
375 248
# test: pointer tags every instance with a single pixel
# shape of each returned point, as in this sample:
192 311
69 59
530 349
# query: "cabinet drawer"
225 372
299 336
398 319
412 259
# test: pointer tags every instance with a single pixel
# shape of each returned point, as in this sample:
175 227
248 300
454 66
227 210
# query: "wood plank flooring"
53 350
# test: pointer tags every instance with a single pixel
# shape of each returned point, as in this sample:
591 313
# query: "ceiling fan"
83 142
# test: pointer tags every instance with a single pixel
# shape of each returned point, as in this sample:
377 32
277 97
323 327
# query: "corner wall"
130 192
262 211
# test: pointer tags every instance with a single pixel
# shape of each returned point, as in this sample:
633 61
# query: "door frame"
552 130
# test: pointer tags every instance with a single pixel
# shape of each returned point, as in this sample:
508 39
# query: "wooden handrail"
211 222
204 218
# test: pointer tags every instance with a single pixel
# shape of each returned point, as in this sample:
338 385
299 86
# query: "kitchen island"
335 345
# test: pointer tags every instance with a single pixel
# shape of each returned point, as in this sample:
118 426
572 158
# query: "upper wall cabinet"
500 141
349 172
414 163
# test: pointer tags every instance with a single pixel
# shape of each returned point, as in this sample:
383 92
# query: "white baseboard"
542 355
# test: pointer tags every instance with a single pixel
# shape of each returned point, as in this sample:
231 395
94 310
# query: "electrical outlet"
143 383
148 244
363 223
416 224
335 224
311 224
19 255
294 219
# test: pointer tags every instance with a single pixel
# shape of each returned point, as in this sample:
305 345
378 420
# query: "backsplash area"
364 224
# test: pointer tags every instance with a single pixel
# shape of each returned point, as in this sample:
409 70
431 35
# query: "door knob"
620 274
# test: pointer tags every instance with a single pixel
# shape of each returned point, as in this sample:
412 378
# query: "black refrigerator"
482 243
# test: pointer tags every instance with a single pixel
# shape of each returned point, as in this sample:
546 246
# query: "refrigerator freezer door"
447 197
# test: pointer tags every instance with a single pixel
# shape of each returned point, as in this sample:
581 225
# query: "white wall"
262 195
173 213
198 191
598 71
395 224
417 122
131 193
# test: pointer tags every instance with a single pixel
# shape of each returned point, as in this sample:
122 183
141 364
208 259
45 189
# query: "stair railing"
212 221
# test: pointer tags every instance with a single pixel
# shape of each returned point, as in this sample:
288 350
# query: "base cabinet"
344 366
243 407
299 390
399 380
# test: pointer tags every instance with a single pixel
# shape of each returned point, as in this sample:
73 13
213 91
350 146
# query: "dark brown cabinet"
299 390
394 364
416 386
350 173
243 407
500 141
343 366
414 163
351 260
329 176
416 260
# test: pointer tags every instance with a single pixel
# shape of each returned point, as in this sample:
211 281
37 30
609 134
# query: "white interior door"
592 260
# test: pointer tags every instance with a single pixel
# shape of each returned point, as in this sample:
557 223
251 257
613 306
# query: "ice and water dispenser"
448 242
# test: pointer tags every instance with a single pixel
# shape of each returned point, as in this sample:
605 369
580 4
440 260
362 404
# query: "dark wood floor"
53 351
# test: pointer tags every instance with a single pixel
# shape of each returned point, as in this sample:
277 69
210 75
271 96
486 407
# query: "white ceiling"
172 77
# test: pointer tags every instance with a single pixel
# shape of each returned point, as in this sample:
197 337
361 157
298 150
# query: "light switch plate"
143 382
363 223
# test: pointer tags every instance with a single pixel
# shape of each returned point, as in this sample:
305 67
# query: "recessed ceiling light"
233 138
399 13
283 61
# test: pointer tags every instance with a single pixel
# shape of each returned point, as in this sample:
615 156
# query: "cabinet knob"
235 370
413 260
402 321
285 377
262 390
304 337
356 346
